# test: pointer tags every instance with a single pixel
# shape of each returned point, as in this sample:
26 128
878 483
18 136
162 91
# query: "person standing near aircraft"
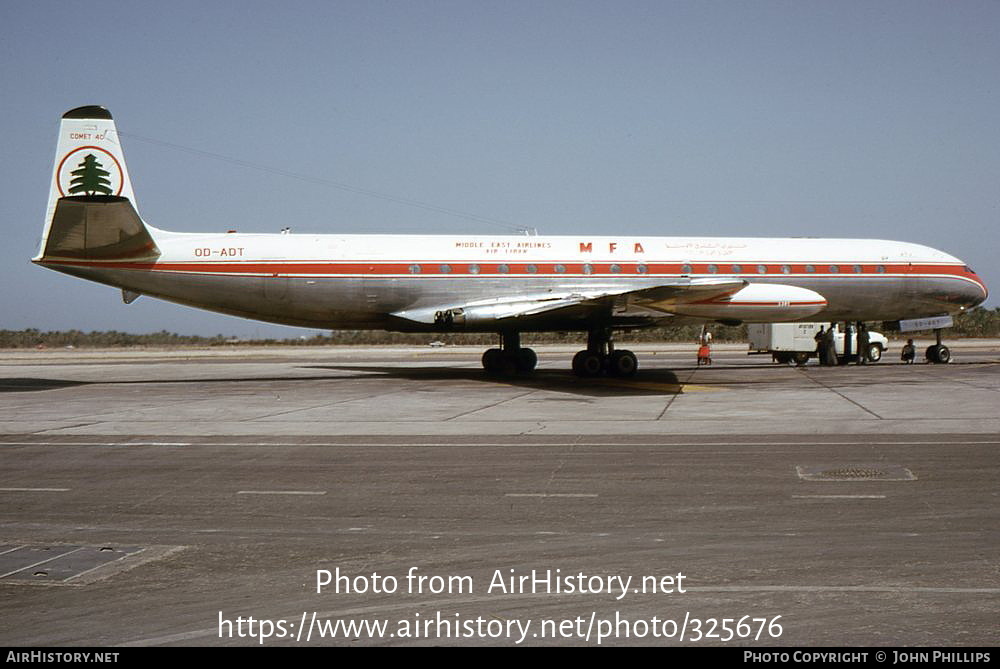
863 342
705 347
830 347
821 345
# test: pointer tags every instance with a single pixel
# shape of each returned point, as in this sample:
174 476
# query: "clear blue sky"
847 119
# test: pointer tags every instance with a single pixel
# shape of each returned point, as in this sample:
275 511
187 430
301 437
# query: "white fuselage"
357 281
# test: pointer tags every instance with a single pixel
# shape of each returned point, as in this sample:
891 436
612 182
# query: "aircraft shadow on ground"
22 385
652 382
645 382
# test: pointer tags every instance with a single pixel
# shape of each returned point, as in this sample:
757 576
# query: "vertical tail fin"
91 210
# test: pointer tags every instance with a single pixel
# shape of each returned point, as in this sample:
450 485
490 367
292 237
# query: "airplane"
503 284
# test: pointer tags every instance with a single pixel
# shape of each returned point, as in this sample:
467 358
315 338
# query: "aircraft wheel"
623 363
586 363
874 353
493 361
782 357
938 353
800 358
526 360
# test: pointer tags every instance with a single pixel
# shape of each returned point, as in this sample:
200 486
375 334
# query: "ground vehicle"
796 342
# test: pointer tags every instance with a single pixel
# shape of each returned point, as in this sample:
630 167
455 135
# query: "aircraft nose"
972 293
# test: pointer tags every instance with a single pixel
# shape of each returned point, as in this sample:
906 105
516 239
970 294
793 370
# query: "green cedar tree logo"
90 178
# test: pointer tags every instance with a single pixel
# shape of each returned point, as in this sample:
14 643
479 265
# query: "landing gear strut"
938 353
510 357
600 357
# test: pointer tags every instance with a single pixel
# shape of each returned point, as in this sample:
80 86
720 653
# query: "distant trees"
33 338
978 322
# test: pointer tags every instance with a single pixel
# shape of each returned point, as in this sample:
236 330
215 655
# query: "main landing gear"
600 357
510 357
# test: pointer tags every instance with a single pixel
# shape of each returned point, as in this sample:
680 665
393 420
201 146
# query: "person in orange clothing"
705 348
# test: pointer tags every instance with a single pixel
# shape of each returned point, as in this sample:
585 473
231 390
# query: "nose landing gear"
938 353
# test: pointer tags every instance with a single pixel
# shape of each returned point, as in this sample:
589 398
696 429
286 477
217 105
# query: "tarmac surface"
166 497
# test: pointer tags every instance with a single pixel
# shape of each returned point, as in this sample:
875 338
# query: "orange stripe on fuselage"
431 269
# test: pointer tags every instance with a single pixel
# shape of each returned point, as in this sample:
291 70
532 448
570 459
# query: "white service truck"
796 342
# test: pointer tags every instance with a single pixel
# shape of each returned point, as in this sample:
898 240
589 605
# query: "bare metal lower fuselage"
368 302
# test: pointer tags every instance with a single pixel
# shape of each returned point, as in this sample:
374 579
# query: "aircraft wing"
580 304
